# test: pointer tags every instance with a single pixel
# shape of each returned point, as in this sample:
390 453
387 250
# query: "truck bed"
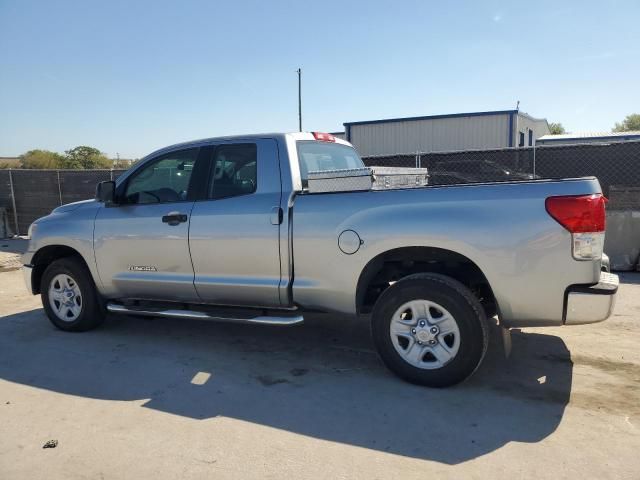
503 228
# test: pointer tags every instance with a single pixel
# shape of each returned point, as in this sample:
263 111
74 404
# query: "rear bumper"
27 272
591 304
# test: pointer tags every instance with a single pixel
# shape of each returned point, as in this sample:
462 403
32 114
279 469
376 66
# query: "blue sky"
130 76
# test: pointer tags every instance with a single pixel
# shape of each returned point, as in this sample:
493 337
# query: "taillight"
582 213
324 137
584 217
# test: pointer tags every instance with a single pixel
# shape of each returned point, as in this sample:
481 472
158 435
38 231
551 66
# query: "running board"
261 319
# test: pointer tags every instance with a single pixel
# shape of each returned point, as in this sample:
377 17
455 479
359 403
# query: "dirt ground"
159 398
10 253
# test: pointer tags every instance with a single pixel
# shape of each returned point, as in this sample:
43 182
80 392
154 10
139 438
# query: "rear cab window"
315 156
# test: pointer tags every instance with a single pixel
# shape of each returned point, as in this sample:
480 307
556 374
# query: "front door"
141 244
235 227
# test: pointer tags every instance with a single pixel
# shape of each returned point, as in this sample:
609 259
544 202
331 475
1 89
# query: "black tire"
92 311
459 302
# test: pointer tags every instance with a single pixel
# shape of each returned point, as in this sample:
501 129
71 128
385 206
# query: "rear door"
141 245
234 235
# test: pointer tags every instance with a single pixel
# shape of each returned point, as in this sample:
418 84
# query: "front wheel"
430 329
69 296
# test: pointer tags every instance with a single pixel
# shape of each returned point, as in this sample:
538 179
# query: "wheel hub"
65 297
69 296
425 333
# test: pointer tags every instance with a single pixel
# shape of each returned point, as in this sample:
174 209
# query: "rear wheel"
430 329
69 296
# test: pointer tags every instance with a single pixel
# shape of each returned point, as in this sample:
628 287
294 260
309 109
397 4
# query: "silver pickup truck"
227 229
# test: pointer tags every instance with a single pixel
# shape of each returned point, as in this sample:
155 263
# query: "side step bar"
261 319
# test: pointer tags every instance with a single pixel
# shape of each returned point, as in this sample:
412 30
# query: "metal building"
441 133
588 137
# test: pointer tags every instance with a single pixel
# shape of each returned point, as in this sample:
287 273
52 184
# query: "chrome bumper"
27 271
591 304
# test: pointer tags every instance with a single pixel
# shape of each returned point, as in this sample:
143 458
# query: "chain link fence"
616 165
26 195
30 194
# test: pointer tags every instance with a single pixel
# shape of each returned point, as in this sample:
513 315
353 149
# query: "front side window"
234 170
164 180
321 156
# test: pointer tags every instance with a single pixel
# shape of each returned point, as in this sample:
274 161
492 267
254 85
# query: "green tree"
41 159
85 157
556 128
4 165
631 122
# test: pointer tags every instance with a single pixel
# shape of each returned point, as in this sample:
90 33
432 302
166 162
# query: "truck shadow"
632 278
322 380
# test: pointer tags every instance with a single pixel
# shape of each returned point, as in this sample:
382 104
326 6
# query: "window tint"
234 170
521 142
530 138
319 156
164 180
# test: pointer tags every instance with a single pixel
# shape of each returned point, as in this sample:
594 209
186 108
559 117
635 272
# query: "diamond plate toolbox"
343 180
389 178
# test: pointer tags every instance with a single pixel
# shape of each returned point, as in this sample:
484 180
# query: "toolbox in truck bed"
385 178
367 178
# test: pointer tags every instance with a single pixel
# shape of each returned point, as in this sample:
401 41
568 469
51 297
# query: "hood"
69 207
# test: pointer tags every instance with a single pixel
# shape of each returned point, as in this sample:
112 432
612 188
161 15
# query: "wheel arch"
47 255
394 264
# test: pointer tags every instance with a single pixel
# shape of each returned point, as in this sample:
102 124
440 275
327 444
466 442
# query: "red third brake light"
578 214
324 137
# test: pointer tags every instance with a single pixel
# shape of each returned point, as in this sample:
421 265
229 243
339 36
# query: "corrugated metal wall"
526 123
432 135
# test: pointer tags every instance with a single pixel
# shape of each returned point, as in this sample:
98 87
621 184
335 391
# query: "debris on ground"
9 261
51 444
268 380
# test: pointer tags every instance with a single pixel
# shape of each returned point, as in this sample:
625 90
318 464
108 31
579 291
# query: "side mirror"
106 192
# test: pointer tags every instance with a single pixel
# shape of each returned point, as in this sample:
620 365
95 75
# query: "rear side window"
320 156
234 170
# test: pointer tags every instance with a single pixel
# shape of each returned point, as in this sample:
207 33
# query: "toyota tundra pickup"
227 229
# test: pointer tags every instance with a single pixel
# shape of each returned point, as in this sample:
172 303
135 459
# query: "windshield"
321 156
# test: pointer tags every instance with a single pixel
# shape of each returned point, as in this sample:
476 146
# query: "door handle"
174 218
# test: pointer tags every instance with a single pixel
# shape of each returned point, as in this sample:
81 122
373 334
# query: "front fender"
71 228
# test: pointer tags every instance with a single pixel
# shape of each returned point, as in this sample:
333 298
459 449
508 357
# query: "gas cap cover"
349 242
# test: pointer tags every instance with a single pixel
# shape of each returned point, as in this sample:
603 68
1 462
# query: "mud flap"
506 341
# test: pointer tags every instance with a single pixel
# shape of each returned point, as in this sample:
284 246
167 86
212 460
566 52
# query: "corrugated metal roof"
433 117
579 135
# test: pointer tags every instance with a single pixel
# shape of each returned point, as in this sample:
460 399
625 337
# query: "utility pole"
517 122
299 99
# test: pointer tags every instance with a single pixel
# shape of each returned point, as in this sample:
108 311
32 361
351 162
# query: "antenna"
299 99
